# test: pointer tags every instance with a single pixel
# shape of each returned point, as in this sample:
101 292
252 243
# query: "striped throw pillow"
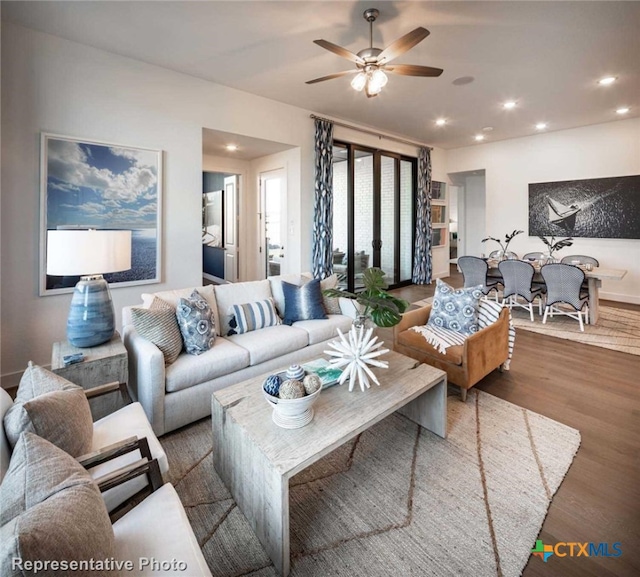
159 325
252 316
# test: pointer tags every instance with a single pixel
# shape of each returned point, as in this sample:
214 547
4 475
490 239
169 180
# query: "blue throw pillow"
455 309
196 323
252 316
302 303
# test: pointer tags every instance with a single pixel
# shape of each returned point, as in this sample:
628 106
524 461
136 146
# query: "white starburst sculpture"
355 353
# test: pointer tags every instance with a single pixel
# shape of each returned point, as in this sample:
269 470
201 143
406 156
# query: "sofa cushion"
238 293
173 296
223 358
322 330
415 340
302 303
64 517
53 408
455 309
196 323
331 304
249 317
159 324
276 288
37 470
272 342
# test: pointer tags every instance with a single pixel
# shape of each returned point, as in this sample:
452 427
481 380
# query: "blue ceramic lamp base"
91 319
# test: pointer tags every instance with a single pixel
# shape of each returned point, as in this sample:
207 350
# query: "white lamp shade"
87 252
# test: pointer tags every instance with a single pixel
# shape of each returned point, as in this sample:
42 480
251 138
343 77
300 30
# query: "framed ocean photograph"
589 208
88 184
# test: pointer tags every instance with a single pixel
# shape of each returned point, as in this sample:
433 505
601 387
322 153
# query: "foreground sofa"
180 393
466 364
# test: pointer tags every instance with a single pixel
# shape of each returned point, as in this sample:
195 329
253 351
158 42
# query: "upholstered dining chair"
517 277
474 271
564 285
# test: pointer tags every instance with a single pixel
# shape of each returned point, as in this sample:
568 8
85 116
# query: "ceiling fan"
372 63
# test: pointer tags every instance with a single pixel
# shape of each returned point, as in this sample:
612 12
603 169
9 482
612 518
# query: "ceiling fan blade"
413 70
402 44
339 50
331 76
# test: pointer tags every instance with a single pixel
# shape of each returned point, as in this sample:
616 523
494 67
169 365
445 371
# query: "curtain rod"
372 133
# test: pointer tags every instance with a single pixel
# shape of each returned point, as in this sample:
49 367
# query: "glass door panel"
340 213
406 219
363 210
387 242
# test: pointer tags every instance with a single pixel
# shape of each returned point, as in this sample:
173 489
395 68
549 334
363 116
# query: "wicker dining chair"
517 277
581 258
564 285
474 272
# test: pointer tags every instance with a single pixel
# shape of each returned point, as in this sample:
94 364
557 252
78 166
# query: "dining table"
594 278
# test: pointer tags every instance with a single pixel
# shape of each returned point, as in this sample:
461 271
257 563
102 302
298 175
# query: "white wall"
603 150
50 84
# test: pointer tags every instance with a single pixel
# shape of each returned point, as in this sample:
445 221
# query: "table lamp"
89 254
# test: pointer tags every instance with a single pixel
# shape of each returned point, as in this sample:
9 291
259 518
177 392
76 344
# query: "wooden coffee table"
255 458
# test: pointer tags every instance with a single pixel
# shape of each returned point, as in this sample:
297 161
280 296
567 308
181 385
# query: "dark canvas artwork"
593 208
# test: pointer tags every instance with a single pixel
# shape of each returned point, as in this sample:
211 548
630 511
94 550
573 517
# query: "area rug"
396 500
617 329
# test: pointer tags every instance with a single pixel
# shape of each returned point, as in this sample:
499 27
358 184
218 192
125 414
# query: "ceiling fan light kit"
372 63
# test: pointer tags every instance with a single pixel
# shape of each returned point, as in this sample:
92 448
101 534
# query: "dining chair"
474 272
564 285
517 277
581 258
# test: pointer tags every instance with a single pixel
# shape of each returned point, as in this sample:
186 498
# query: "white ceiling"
215 142
547 56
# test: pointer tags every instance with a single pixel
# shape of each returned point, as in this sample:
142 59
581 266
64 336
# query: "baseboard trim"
621 298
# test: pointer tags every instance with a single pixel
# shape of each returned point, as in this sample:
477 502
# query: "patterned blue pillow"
252 316
455 309
302 303
196 323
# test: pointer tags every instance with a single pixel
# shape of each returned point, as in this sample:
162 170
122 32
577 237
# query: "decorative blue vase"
91 320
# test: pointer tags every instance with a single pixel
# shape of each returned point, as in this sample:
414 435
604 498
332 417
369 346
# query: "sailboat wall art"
591 208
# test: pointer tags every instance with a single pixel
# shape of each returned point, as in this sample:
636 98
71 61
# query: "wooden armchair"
465 364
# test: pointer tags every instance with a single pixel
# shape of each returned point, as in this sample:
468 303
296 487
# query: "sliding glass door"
373 195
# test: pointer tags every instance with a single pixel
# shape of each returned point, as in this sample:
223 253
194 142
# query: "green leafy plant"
384 309
507 239
554 244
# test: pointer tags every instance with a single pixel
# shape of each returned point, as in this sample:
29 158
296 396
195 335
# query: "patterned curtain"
422 253
322 260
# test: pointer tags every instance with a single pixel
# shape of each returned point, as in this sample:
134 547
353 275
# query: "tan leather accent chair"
465 364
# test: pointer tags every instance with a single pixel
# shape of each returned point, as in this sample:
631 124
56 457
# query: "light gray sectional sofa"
180 393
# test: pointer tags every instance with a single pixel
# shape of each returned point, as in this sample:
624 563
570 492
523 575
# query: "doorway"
470 193
273 220
373 214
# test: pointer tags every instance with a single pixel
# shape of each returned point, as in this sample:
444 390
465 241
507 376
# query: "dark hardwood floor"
596 391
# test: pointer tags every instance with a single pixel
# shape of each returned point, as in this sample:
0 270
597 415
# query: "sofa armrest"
410 319
146 376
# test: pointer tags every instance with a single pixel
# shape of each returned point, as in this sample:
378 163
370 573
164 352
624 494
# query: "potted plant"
375 302
554 245
504 248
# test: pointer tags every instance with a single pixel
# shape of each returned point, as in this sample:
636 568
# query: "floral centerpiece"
504 248
554 245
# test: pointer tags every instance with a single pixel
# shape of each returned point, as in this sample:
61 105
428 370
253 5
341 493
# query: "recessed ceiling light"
479 137
509 104
623 110
232 147
441 121
607 80
541 125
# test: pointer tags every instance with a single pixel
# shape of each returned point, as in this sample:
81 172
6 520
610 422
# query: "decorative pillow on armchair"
455 309
196 323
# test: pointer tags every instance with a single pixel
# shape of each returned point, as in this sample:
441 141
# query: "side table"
105 363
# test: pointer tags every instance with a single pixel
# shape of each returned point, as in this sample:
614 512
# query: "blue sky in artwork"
101 186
